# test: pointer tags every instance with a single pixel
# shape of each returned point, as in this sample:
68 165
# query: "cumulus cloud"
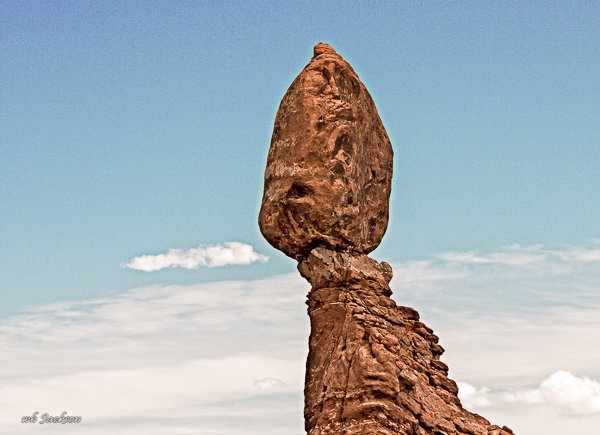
575 395
472 397
228 357
229 253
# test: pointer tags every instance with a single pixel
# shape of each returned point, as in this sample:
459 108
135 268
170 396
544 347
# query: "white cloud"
228 357
574 395
510 256
229 253
472 397
187 359
269 383
525 396
524 256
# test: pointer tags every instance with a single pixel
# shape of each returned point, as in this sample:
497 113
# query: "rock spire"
373 367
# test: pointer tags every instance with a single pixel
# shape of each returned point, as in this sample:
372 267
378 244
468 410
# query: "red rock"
373 367
329 169
464 426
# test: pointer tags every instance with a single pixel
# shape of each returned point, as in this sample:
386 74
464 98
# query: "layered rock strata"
373 367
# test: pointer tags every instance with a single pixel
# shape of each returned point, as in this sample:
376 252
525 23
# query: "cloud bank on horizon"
518 324
574 396
227 254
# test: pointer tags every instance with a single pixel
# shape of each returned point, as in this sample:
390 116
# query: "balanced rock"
373 367
329 169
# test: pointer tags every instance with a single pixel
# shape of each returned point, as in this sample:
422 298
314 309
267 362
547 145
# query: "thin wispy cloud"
268 383
228 357
227 254
524 256
185 359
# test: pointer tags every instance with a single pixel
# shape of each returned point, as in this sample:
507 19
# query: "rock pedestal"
373 367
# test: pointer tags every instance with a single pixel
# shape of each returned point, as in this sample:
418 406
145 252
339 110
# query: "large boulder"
329 169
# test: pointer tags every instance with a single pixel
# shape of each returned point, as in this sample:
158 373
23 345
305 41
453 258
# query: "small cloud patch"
269 383
574 395
227 254
473 397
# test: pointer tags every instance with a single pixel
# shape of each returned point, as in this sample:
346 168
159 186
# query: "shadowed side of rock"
374 367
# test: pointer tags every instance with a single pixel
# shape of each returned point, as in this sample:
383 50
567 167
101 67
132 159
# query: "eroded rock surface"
373 367
329 169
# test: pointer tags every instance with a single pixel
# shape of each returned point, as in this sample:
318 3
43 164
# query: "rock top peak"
322 48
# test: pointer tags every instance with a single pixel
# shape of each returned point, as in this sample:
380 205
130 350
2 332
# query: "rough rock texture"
329 168
373 367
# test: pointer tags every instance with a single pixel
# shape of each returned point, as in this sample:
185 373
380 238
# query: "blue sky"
130 128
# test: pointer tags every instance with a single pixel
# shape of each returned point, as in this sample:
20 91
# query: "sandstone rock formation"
373 367
329 168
